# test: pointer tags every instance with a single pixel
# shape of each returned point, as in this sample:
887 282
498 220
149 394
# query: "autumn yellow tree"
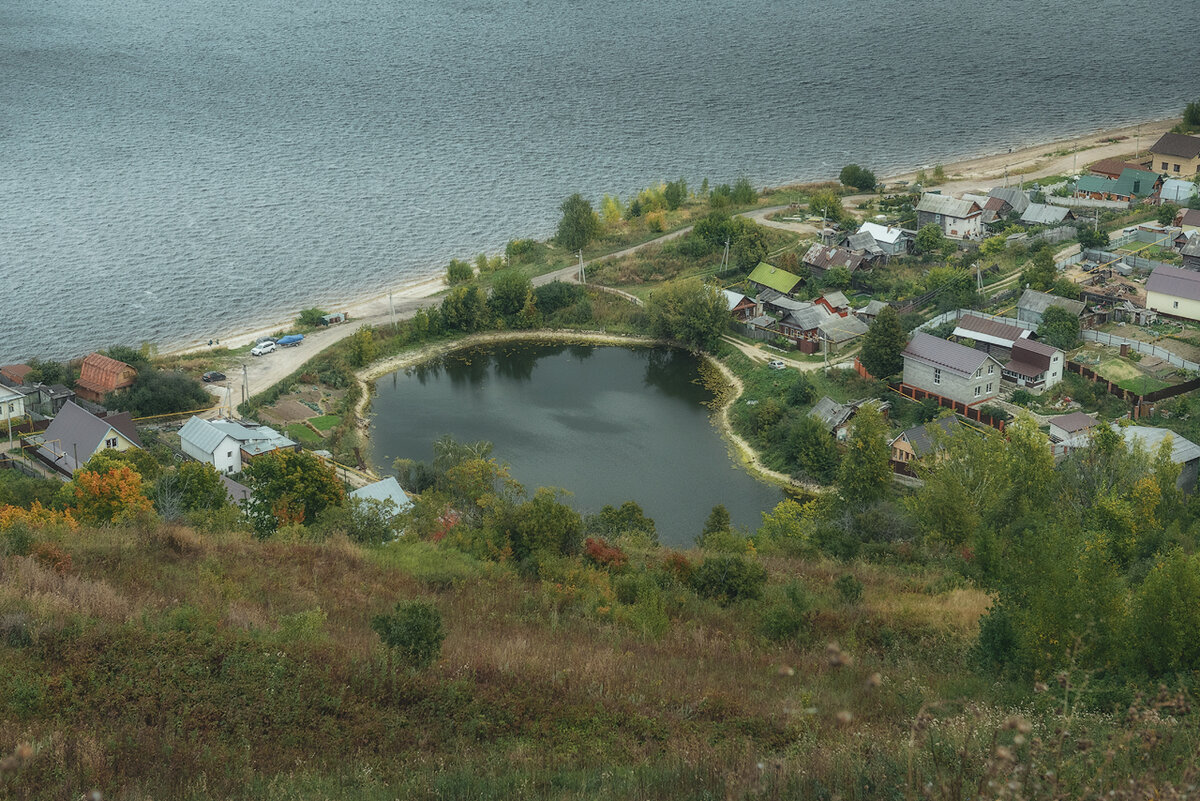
112 496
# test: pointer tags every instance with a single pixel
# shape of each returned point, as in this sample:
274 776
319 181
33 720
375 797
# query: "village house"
820 259
76 435
1184 452
100 375
1131 185
1191 253
836 416
386 492
802 326
1174 292
1176 155
13 374
1112 168
1176 190
950 370
993 337
1034 365
768 276
44 400
12 404
1046 214
227 445
740 306
1071 431
1033 304
1004 200
837 332
958 219
863 244
869 312
919 441
834 303
891 239
1189 221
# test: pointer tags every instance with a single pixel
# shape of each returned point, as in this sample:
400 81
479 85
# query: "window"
937 376
978 391
989 389
979 372
111 442
1175 305
1176 168
991 369
228 454
1164 165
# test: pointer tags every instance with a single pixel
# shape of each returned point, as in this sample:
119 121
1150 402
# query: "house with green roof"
1132 184
768 276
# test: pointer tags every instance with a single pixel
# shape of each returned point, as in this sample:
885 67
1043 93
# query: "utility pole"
392 306
582 270
725 257
245 383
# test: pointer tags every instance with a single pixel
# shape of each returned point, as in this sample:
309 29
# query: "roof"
774 278
993 332
1024 368
1011 195
1033 346
1112 168
922 437
808 318
1038 302
826 257
1192 248
101 374
836 299
254 440
202 434
238 493
1174 281
944 353
1138 183
763 321
779 300
840 329
1097 184
831 413
732 299
1075 421
873 308
384 491
1181 145
77 431
7 394
949 206
1183 450
1045 214
884 233
1174 190
862 240
1189 217
17 372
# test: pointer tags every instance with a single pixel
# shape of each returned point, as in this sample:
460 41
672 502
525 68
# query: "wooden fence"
1127 395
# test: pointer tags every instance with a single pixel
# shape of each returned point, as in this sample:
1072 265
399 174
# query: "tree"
1166 615
1191 115
113 496
541 525
465 309
612 210
743 193
511 290
557 295
857 177
192 487
156 392
883 345
579 224
837 278
287 487
717 522
930 239
1166 213
48 372
362 346
993 245
312 317
612 522
728 579
674 193
413 630
801 392
812 449
1059 328
458 272
1092 238
368 521
689 312
828 204
1040 273
866 467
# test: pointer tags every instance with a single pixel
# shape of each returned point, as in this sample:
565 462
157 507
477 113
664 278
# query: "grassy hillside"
155 661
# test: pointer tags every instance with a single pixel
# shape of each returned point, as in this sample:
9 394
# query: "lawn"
1143 384
1116 369
303 434
325 421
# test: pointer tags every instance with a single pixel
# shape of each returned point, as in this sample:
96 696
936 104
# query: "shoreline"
960 175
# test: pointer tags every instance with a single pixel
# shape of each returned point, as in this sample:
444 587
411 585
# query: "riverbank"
1048 157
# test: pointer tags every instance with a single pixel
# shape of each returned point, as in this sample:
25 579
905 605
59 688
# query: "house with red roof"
100 375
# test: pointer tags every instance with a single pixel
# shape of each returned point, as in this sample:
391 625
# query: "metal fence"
957 314
1149 348
1136 262
1087 202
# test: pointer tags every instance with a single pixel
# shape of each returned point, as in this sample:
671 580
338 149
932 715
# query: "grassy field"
325 421
303 434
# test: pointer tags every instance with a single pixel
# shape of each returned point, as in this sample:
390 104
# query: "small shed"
387 491
334 318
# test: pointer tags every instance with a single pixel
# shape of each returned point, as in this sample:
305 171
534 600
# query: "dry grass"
50 595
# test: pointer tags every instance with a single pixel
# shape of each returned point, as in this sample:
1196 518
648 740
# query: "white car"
262 348
776 364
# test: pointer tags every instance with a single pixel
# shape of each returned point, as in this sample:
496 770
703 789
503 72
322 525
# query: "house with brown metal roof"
1034 365
990 336
100 375
1176 155
1070 431
1112 168
16 373
951 370
1175 292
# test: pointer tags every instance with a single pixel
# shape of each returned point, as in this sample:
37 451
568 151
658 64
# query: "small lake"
608 424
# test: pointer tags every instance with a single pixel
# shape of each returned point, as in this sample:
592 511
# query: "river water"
169 171
608 424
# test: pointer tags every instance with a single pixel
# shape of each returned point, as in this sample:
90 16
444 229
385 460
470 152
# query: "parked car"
776 364
262 349
213 375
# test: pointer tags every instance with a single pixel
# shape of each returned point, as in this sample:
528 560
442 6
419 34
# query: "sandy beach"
1052 157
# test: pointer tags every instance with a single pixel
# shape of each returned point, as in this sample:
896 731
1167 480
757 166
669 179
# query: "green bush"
727 579
849 589
311 317
789 616
458 271
414 631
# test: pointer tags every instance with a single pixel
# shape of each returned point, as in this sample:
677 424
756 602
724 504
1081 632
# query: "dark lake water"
173 170
609 424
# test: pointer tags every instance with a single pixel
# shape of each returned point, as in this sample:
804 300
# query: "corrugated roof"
836 299
77 431
1136 183
826 257
202 434
921 437
732 299
807 319
1011 195
102 375
865 242
1192 248
1175 282
992 331
1096 183
772 277
1112 168
1174 190
1038 302
386 490
1181 145
1075 421
872 309
840 329
1045 214
1189 217
831 413
1033 346
943 353
772 298
949 206
884 233
1183 450
1024 368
